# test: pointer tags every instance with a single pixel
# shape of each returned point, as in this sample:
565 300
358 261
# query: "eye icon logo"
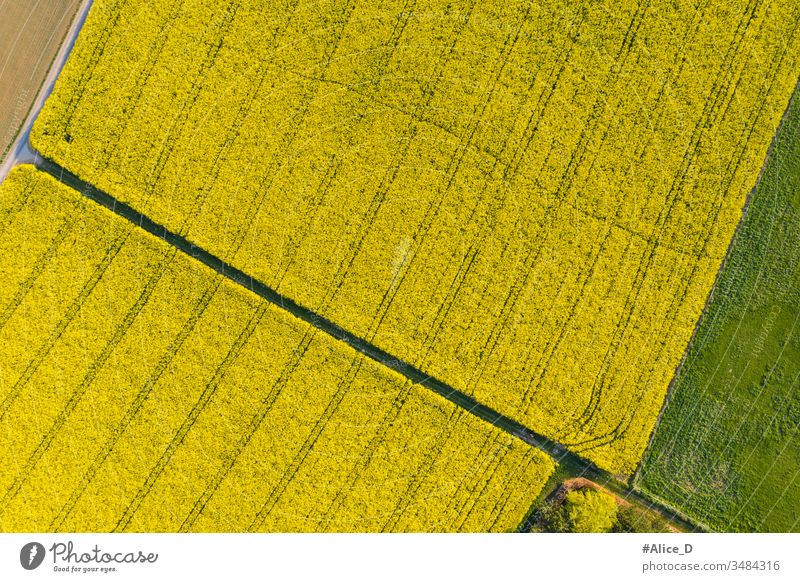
31 555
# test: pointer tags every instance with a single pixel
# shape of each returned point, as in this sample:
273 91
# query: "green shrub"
590 511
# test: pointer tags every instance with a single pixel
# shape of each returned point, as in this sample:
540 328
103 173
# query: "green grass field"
727 450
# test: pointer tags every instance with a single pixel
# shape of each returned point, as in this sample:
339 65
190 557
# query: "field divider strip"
571 461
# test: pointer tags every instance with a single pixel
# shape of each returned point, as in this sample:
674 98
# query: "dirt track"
35 39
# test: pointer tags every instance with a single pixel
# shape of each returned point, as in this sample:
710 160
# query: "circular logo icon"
31 555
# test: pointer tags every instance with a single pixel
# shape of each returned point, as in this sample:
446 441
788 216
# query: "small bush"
590 511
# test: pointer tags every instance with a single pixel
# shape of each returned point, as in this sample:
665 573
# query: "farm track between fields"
576 466
32 35
19 151
573 463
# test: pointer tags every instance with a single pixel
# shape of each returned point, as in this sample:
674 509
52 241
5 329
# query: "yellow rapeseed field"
527 200
141 391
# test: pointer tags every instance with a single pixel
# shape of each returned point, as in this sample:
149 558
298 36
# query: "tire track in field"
235 128
527 357
501 507
187 105
581 446
141 80
110 24
39 266
678 66
432 213
297 461
576 159
706 120
483 473
497 462
198 407
626 421
414 113
531 129
677 300
310 215
390 175
470 480
96 366
586 280
372 210
426 466
268 177
429 92
428 220
7 215
198 309
298 353
363 461
65 320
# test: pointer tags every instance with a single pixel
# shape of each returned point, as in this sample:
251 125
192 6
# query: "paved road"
20 151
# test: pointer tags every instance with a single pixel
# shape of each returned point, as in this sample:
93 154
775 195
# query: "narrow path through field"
21 152
576 465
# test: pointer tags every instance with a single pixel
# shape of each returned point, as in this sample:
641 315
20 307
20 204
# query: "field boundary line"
636 477
20 151
568 459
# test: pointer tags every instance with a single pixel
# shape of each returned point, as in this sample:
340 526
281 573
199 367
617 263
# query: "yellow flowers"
141 391
527 201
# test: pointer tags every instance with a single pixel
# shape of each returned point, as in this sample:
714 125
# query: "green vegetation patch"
727 450
590 511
